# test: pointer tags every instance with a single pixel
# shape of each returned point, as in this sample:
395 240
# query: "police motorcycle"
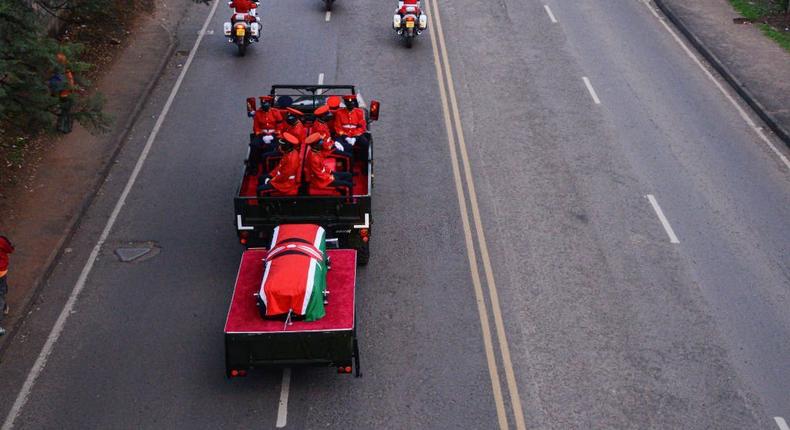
243 29
409 21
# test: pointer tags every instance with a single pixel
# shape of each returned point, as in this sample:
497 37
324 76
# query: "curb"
734 82
121 137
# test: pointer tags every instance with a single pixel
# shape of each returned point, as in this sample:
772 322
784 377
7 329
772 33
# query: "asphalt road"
609 324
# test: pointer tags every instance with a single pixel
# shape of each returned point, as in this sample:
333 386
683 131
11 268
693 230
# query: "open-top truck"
322 330
346 217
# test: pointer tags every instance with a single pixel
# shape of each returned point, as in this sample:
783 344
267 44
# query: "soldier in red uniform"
316 173
350 124
267 123
286 177
293 124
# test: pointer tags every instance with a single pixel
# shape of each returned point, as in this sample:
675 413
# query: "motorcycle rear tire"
242 49
409 41
328 5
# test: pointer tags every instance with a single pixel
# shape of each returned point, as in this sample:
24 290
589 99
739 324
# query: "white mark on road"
664 222
741 111
781 423
551 15
328 16
320 79
591 90
68 309
282 409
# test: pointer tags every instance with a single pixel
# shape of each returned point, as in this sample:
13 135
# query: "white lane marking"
282 409
591 90
362 103
741 111
551 15
328 16
664 221
781 423
320 79
68 309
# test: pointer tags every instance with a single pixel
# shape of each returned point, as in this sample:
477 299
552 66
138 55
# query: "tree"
27 61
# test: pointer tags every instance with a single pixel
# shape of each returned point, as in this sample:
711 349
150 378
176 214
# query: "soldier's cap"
264 99
349 97
313 138
289 138
333 102
323 110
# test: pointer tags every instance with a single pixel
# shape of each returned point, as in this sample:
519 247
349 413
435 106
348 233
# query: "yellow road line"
493 295
470 250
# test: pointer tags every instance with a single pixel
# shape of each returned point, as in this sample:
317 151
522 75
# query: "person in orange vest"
266 124
6 248
350 124
316 173
62 85
286 177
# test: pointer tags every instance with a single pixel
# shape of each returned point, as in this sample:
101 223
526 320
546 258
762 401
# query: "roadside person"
267 122
350 124
62 85
6 248
286 177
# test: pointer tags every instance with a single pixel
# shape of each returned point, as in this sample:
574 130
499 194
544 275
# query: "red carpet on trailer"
243 316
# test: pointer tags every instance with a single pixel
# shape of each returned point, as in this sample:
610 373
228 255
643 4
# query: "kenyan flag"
294 279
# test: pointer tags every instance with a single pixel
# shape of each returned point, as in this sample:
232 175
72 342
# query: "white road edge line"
551 15
68 309
664 222
741 111
591 90
328 16
320 79
282 409
781 423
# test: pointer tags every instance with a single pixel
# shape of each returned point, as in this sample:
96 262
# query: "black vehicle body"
348 218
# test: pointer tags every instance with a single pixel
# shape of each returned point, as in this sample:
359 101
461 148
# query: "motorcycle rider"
350 124
286 177
316 173
406 7
249 9
266 124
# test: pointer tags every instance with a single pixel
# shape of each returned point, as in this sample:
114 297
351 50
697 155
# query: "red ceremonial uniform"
298 130
264 121
322 129
350 123
316 173
285 177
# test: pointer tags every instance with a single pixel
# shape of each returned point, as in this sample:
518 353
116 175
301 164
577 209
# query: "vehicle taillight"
234 373
364 234
243 236
342 369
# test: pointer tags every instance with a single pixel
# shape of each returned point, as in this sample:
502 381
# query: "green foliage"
27 62
781 37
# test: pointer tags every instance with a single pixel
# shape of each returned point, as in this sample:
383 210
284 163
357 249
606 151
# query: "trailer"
253 342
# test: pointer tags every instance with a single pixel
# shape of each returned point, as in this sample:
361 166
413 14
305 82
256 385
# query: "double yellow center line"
454 129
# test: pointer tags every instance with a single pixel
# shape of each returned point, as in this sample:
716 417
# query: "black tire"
242 49
363 254
328 5
409 41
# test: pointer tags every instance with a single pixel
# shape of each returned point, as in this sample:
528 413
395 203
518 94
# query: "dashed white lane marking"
282 409
591 90
741 111
781 423
320 79
664 222
328 16
551 15
68 309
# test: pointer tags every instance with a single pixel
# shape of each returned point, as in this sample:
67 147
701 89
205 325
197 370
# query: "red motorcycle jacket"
350 123
243 6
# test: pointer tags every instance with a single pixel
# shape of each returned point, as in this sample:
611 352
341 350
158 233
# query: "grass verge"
758 11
